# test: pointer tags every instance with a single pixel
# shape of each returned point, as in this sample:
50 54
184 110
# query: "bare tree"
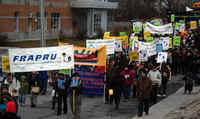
129 9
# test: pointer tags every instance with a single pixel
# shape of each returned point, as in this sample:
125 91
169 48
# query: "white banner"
118 46
149 47
109 43
164 29
41 59
162 57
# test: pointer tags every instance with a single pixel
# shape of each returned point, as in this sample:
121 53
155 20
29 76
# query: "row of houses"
20 19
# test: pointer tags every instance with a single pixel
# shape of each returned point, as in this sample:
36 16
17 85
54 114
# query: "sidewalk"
173 102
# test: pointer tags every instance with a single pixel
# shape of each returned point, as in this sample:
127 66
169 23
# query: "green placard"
122 34
157 23
177 41
199 22
149 39
131 42
65 71
182 21
137 29
177 25
172 18
144 26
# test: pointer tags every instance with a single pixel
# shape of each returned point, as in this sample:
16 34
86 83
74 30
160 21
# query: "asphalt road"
92 108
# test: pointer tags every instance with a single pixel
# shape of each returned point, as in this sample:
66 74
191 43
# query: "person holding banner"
75 95
62 88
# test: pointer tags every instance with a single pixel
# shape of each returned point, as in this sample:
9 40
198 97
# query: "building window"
97 22
55 21
30 22
38 21
16 25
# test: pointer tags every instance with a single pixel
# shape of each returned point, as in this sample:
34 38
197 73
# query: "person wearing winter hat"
143 87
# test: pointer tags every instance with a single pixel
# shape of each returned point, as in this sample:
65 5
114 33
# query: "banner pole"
104 95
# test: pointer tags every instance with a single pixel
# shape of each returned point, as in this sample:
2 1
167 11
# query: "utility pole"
42 40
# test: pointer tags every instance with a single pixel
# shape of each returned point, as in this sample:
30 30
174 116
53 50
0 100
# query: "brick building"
20 19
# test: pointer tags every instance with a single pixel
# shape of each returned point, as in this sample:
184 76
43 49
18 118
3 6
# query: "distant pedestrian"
188 82
144 88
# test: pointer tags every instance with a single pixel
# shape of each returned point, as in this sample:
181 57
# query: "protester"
116 84
35 89
54 92
10 108
188 82
165 71
155 77
75 95
127 77
43 82
62 87
144 87
23 90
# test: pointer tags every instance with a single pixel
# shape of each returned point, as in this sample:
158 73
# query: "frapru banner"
41 59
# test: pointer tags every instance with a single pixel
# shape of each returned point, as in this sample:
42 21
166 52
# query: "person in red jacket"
127 77
10 108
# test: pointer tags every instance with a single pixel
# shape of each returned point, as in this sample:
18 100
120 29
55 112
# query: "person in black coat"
116 84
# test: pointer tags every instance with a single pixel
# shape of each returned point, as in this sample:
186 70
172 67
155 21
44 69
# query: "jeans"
22 99
43 85
127 91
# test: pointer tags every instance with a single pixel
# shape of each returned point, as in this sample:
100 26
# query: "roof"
94 4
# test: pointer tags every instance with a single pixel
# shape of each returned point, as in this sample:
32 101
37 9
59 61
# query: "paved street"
92 108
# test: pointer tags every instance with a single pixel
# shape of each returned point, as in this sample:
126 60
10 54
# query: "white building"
91 15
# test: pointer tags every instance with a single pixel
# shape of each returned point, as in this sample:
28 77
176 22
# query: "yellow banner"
134 56
89 53
193 25
5 64
170 43
123 39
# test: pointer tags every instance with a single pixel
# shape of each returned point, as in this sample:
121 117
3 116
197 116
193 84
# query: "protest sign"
165 44
137 27
143 56
172 18
134 56
177 25
109 43
193 25
177 41
118 46
159 47
149 47
164 29
149 39
135 46
146 35
106 34
170 42
92 83
41 59
65 71
182 28
122 34
162 57
5 64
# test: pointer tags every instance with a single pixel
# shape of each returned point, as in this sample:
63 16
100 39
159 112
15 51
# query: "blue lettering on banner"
44 57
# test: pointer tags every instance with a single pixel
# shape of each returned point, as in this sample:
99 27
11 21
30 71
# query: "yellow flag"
5 64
